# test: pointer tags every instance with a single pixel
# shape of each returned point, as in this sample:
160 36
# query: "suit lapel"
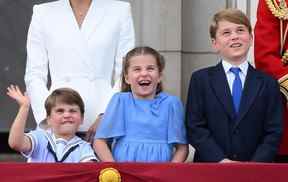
221 89
251 88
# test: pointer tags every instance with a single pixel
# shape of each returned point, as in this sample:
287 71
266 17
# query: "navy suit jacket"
217 132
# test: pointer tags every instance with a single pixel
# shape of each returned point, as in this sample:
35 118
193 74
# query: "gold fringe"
283 81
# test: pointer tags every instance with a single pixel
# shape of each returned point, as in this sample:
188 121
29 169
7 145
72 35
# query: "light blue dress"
73 150
143 130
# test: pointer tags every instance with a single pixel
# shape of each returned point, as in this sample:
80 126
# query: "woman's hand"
92 130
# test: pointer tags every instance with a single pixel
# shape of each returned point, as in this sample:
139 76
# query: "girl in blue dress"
145 123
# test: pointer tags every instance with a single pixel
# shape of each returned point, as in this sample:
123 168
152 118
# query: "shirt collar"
243 66
54 141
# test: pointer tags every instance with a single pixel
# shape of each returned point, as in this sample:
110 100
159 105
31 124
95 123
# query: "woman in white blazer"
81 44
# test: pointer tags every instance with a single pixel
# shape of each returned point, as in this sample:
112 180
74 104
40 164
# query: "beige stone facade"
179 30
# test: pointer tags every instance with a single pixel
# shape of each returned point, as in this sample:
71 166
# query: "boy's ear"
252 40
214 44
48 122
44 124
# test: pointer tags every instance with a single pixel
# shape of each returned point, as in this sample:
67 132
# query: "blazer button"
236 131
234 156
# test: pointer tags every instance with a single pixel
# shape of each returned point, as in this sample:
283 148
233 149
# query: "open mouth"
67 122
144 83
235 45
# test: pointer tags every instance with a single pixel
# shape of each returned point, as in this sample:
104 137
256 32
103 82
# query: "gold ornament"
285 57
281 12
109 175
283 81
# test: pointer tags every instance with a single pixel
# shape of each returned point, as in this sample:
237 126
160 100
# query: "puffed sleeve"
176 126
36 74
113 122
126 43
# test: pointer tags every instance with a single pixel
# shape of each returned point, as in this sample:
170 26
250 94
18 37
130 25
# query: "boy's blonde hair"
231 15
66 96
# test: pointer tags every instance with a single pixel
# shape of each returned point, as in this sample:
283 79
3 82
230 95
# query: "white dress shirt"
230 76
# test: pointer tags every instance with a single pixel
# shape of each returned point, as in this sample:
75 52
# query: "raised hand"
14 92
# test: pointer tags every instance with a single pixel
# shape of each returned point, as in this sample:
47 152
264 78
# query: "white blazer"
87 59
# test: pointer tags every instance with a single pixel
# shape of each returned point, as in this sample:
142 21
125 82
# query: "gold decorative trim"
283 81
285 58
109 175
280 11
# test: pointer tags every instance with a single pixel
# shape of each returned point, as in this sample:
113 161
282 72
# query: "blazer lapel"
252 85
220 86
94 17
78 40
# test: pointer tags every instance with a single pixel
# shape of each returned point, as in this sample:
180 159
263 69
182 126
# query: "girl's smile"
143 76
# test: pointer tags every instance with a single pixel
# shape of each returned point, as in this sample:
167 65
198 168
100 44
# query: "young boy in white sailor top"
58 142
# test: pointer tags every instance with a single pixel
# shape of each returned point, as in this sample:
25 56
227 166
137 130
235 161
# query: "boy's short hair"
232 15
64 95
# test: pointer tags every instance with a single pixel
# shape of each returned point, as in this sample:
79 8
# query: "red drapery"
138 172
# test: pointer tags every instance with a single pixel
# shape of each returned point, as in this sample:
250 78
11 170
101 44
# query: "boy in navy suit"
233 111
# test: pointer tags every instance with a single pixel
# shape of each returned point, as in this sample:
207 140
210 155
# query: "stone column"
158 25
196 44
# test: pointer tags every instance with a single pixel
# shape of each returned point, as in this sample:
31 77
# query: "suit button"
236 131
234 156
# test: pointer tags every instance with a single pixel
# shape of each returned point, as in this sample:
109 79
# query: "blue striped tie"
236 88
